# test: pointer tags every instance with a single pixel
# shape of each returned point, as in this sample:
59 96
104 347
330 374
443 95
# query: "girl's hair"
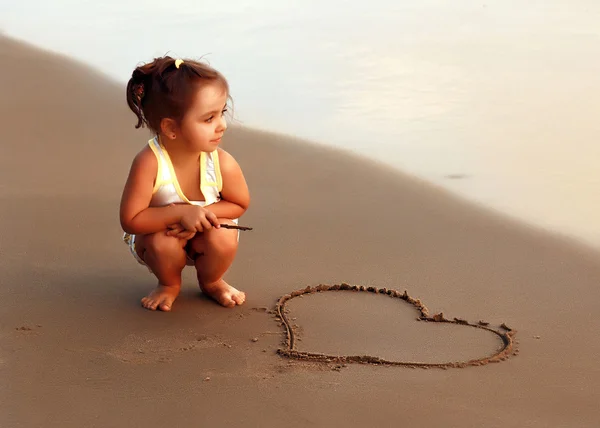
163 89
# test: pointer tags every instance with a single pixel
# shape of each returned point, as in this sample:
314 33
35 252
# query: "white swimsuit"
167 190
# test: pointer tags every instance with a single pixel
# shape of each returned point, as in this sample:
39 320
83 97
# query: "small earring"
173 136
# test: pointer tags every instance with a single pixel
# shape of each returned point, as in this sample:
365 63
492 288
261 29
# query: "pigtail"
135 95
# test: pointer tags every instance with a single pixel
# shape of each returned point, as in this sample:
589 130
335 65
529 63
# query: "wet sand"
78 350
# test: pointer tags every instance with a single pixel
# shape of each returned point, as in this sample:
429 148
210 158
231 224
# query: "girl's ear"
168 127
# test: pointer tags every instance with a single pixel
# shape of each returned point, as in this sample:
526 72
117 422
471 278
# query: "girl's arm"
135 214
235 195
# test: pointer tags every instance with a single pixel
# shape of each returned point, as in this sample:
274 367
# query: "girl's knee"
222 241
160 243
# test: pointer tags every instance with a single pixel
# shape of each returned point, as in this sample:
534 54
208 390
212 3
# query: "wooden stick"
233 226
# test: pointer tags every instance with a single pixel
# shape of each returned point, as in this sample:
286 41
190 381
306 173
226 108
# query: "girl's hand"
179 232
197 219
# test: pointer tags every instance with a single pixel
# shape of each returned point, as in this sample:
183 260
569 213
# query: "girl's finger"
212 218
206 223
186 234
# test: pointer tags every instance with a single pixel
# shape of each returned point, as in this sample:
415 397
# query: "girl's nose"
222 126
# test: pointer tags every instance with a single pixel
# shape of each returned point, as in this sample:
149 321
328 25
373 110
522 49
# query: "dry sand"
77 349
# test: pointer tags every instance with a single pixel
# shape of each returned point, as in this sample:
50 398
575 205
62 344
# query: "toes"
161 298
149 302
149 305
239 298
227 301
146 302
165 304
224 294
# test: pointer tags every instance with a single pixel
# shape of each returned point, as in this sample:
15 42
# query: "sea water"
496 100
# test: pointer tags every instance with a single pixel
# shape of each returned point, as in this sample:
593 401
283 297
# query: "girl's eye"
209 120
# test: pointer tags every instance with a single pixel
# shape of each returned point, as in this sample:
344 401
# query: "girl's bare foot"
224 293
162 297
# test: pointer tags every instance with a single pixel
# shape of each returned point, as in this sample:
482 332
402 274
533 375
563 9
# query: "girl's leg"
214 251
166 257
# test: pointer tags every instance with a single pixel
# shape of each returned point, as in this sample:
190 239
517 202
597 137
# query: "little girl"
182 186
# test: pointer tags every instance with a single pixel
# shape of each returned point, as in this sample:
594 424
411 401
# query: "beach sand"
78 350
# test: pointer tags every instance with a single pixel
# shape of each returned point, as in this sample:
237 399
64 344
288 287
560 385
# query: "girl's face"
204 123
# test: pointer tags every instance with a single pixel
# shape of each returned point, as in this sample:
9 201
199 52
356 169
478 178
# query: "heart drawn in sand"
505 333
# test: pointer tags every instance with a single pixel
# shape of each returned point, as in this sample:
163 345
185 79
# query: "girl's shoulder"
145 159
226 160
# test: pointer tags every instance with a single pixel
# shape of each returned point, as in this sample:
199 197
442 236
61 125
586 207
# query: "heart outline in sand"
506 334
